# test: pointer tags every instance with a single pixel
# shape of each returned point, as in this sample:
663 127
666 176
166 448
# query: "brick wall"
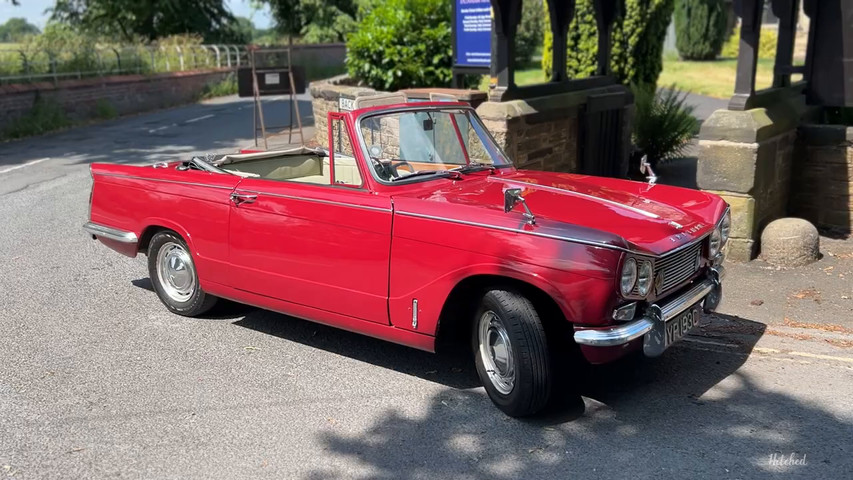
822 189
126 94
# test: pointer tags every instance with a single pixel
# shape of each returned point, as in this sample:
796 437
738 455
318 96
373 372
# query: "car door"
320 241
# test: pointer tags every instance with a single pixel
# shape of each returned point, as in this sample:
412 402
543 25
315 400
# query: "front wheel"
511 353
173 275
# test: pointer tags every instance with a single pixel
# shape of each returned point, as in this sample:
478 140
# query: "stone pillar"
745 157
822 189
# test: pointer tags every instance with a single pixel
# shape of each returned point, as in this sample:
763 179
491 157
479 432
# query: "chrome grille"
677 267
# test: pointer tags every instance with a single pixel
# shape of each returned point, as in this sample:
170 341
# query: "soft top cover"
245 157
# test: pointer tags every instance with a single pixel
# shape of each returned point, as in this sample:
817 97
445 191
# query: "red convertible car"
413 223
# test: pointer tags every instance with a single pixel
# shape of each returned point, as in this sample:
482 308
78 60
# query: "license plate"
678 327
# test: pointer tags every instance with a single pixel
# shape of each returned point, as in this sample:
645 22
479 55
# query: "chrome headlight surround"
725 227
645 278
628 276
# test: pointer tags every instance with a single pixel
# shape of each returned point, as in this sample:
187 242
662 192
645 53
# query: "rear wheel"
174 277
511 353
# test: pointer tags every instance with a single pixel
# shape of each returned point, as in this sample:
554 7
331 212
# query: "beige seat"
298 165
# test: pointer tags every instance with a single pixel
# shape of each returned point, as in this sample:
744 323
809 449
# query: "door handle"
241 198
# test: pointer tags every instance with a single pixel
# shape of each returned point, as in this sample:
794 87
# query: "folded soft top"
245 157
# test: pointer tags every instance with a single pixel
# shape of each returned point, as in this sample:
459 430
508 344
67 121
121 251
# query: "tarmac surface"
99 380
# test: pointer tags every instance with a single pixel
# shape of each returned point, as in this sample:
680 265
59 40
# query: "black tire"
530 361
189 303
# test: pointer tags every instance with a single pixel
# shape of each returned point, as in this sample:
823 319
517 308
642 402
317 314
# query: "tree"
149 19
16 29
700 28
637 41
531 31
316 21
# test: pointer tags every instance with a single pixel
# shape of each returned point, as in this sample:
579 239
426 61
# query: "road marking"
32 162
159 128
709 342
196 119
802 354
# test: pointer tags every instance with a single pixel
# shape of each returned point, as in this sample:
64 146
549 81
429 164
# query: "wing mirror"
512 197
646 169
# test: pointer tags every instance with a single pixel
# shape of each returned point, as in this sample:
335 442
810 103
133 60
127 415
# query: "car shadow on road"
692 413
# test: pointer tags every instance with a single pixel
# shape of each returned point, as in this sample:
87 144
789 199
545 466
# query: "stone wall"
126 94
822 189
746 158
537 133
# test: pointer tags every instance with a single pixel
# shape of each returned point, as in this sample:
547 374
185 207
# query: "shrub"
766 44
226 86
105 110
45 116
663 124
700 28
530 31
637 41
402 44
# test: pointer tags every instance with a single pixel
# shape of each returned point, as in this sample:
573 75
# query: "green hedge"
766 44
637 41
402 44
700 28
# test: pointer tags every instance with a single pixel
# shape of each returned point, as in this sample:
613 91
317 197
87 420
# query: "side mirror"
512 196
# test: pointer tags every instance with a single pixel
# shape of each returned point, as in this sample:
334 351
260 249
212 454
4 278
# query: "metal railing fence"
20 64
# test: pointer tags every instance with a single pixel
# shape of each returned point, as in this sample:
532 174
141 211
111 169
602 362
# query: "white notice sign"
346 104
271 79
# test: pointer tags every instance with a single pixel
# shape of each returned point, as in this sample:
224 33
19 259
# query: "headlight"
629 276
644 278
716 242
725 227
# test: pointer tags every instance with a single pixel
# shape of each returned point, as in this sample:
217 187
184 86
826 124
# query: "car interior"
296 165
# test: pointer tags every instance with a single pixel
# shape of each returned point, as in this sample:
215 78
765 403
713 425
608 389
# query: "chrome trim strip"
583 195
110 233
515 230
316 200
622 334
165 180
614 336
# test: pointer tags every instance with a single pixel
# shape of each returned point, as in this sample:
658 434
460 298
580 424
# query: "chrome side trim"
165 181
622 334
616 335
317 200
583 195
514 230
110 233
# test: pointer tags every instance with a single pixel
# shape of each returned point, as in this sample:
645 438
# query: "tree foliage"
531 31
700 28
15 29
402 44
637 41
315 21
149 19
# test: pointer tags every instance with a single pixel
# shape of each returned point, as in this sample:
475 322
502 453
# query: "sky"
33 11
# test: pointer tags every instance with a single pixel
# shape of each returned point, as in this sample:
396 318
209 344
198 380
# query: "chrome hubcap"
496 352
176 272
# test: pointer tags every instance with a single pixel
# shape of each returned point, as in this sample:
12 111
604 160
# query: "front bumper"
708 291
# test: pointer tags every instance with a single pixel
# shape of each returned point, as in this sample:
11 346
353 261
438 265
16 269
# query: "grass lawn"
714 78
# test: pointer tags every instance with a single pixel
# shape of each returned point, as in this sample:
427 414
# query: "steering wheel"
387 169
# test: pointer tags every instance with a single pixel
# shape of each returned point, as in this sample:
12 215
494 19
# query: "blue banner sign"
473 42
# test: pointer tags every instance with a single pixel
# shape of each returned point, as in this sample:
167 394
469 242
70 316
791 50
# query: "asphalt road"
98 380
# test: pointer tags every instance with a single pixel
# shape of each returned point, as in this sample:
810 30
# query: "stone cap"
472 97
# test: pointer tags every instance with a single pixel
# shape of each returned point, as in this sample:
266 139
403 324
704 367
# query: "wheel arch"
153 227
461 304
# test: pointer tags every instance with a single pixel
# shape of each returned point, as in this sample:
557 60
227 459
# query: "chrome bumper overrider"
110 233
655 314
